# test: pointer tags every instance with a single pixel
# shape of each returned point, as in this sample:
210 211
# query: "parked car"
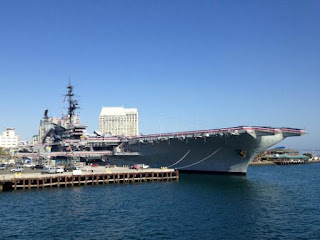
3 167
136 166
37 167
143 166
132 166
17 169
48 170
29 165
69 168
59 170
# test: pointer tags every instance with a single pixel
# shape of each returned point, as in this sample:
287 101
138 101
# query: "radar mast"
73 104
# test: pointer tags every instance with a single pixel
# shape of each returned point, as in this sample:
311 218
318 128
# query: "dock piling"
17 183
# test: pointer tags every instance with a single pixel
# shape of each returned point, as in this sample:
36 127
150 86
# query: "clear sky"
185 65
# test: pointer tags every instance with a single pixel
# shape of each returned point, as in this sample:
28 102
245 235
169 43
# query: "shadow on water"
251 189
257 177
211 181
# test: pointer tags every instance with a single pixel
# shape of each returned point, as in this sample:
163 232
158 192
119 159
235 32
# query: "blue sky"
185 65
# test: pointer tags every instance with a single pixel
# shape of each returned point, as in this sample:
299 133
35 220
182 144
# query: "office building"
9 139
119 121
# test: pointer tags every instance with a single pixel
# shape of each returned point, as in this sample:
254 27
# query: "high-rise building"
9 139
119 121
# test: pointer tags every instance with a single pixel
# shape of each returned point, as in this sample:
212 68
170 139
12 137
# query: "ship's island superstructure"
225 150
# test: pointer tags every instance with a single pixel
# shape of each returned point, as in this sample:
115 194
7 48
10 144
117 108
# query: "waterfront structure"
282 150
9 139
84 178
284 155
118 121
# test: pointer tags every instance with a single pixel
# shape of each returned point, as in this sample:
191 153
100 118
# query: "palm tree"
3 154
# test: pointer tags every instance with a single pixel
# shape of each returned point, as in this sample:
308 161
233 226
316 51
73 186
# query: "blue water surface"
271 202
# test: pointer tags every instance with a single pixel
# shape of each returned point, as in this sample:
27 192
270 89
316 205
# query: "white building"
9 139
119 121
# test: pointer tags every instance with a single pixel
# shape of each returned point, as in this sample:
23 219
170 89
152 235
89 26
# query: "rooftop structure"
282 150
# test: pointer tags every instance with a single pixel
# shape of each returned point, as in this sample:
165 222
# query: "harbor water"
271 202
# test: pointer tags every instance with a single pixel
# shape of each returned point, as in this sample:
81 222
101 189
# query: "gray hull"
225 150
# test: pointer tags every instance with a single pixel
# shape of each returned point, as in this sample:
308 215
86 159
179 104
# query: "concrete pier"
70 179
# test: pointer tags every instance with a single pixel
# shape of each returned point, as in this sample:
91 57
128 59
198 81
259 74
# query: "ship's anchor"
243 153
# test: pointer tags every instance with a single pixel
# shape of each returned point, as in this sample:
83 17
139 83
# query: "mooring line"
179 160
201 159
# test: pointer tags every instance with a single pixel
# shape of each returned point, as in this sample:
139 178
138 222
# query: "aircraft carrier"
225 150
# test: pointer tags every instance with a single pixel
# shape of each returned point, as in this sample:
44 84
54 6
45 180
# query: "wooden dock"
63 180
